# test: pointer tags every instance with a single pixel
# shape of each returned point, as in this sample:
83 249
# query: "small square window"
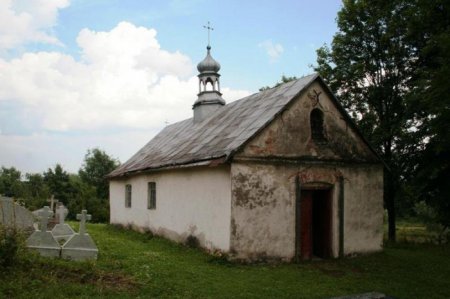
151 196
128 196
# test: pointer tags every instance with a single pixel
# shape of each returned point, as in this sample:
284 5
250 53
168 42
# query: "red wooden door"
306 225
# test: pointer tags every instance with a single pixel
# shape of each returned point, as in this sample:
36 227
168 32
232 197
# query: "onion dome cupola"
208 65
209 96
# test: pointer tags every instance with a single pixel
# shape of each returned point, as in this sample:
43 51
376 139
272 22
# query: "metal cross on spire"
209 28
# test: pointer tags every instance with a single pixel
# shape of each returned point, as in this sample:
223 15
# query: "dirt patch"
101 279
82 274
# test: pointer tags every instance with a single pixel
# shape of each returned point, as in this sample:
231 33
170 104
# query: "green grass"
134 265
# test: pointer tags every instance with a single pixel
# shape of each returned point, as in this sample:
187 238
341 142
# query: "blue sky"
80 74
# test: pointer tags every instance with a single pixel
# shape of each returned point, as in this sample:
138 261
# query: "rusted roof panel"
221 134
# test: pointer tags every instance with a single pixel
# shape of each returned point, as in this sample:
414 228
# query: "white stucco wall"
193 201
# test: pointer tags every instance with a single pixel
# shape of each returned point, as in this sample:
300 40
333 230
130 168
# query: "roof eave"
210 162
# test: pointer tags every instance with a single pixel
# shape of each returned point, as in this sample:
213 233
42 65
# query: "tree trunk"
389 195
389 190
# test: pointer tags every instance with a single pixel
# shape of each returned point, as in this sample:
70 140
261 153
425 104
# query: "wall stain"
250 192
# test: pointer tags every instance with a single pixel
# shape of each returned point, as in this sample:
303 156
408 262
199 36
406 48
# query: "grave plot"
62 231
42 240
80 246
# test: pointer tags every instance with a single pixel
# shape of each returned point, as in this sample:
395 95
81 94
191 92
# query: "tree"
370 66
84 197
10 183
92 186
37 191
97 164
429 33
57 181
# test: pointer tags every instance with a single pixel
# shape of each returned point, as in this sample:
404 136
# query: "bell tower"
209 96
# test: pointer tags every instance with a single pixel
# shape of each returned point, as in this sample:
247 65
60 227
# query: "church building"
281 174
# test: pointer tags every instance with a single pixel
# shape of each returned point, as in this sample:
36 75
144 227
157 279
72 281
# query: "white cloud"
124 82
273 50
28 21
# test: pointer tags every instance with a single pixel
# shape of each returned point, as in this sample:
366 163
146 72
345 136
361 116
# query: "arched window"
209 85
316 122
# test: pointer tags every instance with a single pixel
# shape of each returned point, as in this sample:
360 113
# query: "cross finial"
209 28
83 217
44 214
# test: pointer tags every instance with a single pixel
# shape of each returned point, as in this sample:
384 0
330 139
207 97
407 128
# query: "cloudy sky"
79 74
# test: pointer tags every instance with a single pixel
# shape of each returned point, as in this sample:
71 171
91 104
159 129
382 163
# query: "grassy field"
133 265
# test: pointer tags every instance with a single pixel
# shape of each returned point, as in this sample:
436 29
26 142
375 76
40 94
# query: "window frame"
151 195
128 195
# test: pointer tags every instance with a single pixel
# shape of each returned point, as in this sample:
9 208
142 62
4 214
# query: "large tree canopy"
429 33
368 66
97 164
389 65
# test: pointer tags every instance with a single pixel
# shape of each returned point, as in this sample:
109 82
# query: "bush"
192 242
11 242
427 214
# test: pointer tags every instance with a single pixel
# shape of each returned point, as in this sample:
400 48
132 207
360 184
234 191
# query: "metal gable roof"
218 136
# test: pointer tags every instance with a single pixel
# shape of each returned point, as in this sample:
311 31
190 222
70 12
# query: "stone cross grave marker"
83 217
42 240
62 231
61 212
80 246
52 202
44 215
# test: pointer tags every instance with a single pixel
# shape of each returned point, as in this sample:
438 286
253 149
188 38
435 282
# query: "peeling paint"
250 192
268 230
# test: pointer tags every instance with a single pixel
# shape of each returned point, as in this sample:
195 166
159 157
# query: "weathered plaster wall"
363 209
289 135
263 181
262 212
194 201
263 207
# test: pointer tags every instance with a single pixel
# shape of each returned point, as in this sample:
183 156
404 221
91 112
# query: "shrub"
11 242
192 242
440 233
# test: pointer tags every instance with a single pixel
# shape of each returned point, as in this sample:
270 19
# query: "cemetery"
61 241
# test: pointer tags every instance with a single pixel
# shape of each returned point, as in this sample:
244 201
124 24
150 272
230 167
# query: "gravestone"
62 231
14 215
53 203
42 240
80 246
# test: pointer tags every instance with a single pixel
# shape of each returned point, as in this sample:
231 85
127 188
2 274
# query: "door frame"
312 186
